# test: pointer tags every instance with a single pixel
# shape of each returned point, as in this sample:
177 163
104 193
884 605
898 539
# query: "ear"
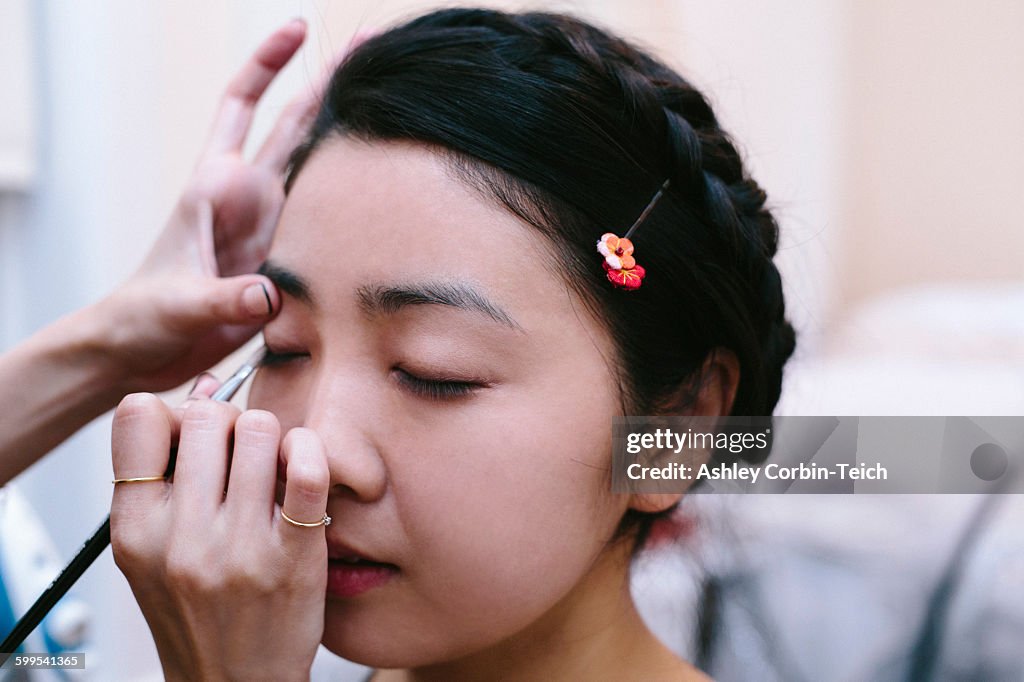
652 503
719 380
717 384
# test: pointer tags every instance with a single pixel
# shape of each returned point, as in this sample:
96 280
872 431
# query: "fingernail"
257 300
199 380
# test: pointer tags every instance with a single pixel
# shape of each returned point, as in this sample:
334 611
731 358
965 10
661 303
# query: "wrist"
83 345
59 381
177 673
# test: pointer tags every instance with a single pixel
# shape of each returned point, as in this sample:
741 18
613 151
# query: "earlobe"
715 394
652 503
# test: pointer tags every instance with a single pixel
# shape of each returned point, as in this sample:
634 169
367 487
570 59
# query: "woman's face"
464 397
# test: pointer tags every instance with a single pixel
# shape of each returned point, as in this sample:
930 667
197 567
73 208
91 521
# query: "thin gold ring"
140 479
325 521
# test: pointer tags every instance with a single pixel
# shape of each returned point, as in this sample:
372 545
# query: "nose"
342 414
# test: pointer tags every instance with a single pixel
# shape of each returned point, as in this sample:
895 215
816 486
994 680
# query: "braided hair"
573 129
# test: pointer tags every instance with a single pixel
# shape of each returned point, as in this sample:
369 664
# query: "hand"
192 302
230 590
187 306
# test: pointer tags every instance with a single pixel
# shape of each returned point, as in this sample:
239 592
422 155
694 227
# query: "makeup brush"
101 538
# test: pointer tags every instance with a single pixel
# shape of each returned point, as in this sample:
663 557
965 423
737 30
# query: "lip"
338 550
351 572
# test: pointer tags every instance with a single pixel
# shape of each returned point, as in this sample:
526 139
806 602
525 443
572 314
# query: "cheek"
501 516
517 516
505 515
282 392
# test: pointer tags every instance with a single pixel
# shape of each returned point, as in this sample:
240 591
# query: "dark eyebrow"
378 298
287 281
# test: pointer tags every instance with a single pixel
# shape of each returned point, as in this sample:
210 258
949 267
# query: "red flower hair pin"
619 265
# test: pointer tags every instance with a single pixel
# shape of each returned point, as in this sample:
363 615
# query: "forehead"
362 213
385 205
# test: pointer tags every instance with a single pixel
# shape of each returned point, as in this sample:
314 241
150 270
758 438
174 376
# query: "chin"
390 639
377 638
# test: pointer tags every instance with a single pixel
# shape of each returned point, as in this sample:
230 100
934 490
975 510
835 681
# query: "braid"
709 164
706 170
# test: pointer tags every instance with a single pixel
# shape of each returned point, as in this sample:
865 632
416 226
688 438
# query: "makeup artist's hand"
190 303
194 300
175 316
230 590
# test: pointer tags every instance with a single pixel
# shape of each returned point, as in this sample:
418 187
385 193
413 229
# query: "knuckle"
132 554
221 302
188 573
249 575
258 426
303 442
125 558
309 483
307 473
233 570
206 415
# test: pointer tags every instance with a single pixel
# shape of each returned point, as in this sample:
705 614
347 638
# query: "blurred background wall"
890 138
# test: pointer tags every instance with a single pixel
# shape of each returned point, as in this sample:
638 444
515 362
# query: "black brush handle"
57 589
101 538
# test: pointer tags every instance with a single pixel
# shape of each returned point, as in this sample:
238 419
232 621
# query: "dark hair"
574 130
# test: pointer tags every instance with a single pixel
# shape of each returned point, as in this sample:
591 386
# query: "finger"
200 473
141 438
287 133
231 123
207 245
306 486
206 384
209 302
204 387
293 123
250 499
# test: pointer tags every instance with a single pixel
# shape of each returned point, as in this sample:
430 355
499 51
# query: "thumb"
246 299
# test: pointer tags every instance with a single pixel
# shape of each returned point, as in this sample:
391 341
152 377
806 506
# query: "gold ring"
140 479
325 521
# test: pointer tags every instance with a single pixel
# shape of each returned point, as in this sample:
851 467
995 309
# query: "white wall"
17 124
934 151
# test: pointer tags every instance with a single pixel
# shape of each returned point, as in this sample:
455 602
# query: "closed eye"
440 389
273 358
434 388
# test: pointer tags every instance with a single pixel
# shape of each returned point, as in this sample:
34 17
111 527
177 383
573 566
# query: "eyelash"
435 389
271 358
431 389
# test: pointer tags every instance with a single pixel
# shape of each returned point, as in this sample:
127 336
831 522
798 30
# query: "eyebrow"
288 281
388 299
378 298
